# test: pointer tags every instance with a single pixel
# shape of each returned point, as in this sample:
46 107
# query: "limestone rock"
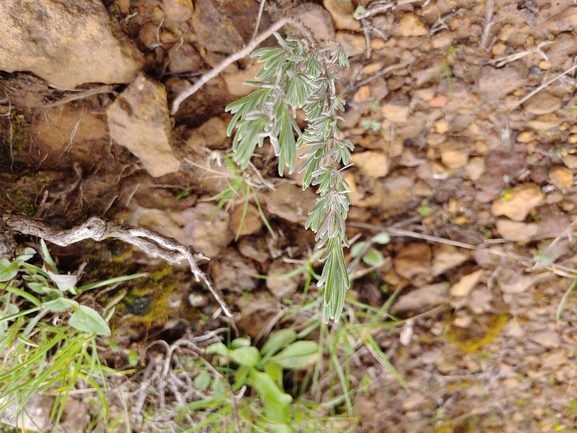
290 202
281 286
542 103
225 27
562 49
254 248
467 283
139 121
396 109
494 83
547 339
65 42
317 19
475 168
177 11
342 13
424 297
211 134
247 224
555 359
396 193
564 21
544 122
512 280
232 272
371 163
35 416
570 161
183 58
235 80
479 299
442 39
454 154
561 177
413 260
199 226
353 45
518 202
446 257
411 25
516 231
426 69
56 125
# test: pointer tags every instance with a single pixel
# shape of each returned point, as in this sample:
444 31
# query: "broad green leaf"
44 289
202 381
245 356
382 238
63 282
298 355
60 305
357 248
241 376
87 320
268 388
279 413
274 370
373 257
218 387
277 341
26 255
8 269
217 349
359 11
239 342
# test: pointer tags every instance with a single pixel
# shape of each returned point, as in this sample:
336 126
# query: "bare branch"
152 243
81 95
489 10
222 65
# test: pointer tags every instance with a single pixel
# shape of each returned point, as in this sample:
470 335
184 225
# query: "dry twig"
542 86
258 18
152 243
81 95
489 10
561 270
222 65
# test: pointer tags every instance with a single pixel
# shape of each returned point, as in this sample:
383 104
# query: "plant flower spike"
299 75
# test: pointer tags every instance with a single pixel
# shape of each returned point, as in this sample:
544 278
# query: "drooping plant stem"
299 75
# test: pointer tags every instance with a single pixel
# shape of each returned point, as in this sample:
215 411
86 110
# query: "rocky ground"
463 117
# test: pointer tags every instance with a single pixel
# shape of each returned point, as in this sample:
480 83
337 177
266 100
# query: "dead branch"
534 263
222 65
542 86
489 10
81 95
152 243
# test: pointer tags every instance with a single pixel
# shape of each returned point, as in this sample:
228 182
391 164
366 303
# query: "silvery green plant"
299 75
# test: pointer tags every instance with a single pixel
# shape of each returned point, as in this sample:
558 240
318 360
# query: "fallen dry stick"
230 59
152 243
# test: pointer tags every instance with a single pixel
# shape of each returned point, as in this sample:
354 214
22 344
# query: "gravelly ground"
464 122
